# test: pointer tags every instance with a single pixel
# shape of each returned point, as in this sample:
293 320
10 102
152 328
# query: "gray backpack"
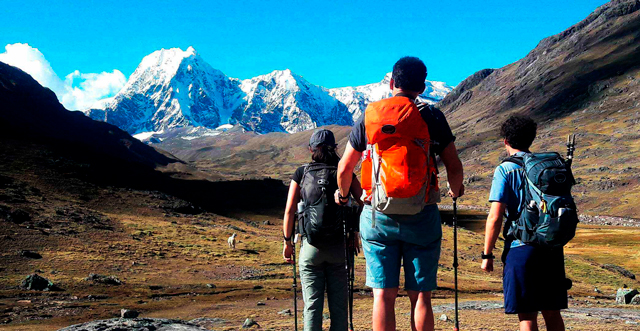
548 216
318 219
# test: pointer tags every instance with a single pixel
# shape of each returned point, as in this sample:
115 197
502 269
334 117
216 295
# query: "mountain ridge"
172 88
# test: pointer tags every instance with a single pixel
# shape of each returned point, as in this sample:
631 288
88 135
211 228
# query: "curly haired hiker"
534 278
322 255
400 224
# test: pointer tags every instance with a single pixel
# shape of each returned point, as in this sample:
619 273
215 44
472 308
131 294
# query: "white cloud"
77 91
93 88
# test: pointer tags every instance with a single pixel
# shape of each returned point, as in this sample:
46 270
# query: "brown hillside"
585 80
237 154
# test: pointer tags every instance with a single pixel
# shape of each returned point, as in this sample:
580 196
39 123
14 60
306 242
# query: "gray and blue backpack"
548 216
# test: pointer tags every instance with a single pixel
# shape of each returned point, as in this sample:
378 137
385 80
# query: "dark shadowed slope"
30 111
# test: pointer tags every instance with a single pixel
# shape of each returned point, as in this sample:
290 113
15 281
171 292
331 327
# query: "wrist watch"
342 199
489 256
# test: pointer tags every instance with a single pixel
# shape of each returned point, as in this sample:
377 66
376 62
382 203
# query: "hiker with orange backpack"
398 139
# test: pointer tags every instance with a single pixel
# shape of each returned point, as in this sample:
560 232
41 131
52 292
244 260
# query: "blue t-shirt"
506 188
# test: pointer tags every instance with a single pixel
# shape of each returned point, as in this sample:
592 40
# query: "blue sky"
330 43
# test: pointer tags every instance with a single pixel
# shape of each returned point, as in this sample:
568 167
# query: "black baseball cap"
322 137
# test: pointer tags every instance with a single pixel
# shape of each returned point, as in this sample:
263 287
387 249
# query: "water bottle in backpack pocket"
558 223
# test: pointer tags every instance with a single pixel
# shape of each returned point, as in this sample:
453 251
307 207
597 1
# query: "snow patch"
144 136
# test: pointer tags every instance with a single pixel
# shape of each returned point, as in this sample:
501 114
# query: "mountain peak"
387 78
164 62
285 78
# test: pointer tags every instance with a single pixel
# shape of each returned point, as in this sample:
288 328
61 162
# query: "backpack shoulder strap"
314 167
318 166
519 160
304 173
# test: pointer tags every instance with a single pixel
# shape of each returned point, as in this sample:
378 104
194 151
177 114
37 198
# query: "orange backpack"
398 172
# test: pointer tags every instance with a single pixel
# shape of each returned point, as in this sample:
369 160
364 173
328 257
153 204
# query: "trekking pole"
295 284
347 265
455 259
351 280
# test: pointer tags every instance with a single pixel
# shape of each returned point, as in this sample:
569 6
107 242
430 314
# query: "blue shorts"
534 280
413 239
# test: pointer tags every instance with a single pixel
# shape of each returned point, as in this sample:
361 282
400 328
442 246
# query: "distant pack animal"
232 241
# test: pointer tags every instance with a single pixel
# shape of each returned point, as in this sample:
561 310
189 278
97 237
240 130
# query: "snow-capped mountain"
357 98
284 101
173 89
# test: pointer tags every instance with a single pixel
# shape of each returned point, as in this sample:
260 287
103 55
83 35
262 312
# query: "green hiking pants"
322 269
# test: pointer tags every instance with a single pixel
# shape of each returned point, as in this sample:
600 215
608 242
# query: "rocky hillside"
564 73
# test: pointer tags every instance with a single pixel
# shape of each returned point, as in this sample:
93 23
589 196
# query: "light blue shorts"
413 239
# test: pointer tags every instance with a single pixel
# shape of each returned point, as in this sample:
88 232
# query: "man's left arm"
455 172
440 132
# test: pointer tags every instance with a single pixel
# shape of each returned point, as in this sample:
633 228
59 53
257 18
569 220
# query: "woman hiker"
322 255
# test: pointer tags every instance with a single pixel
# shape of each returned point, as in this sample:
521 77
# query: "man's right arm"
347 163
455 172
494 224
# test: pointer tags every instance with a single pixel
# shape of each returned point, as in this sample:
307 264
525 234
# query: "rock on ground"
620 270
469 305
30 254
38 283
624 295
126 313
158 324
109 280
249 322
208 323
286 312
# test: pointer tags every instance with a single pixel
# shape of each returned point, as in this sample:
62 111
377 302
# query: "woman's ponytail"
325 154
